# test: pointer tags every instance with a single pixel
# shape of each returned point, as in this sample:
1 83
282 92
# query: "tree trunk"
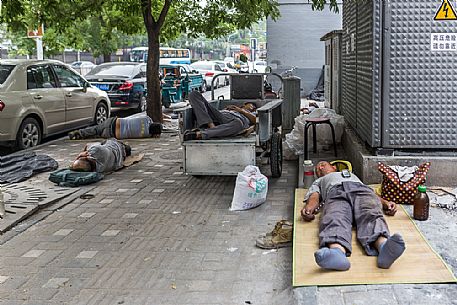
107 57
154 102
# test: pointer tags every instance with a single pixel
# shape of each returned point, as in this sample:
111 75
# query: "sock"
332 258
390 250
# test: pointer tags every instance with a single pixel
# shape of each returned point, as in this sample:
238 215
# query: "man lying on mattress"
347 201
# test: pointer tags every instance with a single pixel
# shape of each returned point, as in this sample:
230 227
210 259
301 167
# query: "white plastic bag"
250 190
294 139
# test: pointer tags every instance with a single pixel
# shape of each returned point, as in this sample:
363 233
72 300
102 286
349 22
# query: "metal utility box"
332 69
291 104
399 73
216 157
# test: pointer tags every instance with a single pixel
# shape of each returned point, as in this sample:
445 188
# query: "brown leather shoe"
280 237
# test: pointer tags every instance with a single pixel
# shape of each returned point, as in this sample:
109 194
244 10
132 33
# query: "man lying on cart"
218 123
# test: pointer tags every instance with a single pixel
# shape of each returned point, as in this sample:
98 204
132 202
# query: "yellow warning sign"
446 12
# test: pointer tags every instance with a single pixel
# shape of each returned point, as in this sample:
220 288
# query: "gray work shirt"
108 156
244 120
324 184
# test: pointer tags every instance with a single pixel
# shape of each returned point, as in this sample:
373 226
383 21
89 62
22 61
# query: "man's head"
128 149
251 107
155 129
81 165
323 168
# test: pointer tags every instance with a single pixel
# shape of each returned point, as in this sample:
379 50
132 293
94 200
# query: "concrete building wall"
294 40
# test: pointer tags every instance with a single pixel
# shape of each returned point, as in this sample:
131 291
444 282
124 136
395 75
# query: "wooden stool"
314 122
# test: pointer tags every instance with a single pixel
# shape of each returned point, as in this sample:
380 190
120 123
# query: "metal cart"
228 156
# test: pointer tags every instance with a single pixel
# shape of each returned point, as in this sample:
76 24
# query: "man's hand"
234 108
307 215
83 154
390 208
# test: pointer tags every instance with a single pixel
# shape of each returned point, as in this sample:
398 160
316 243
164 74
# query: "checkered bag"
392 189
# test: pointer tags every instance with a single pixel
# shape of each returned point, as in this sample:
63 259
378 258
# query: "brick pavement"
152 235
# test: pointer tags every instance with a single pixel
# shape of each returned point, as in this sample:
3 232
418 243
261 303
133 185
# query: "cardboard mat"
132 159
418 264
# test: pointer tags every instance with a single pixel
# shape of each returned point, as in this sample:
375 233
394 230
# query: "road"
225 91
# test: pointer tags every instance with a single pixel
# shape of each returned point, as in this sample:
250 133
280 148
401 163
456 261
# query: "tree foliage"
162 20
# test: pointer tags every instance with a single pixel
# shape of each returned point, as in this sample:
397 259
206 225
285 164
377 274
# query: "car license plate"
103 87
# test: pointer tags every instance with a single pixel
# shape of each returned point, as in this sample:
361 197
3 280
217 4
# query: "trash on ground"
176 212
443 199
232 249
268 252
87 196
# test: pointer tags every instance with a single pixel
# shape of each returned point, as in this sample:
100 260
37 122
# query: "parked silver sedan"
39 98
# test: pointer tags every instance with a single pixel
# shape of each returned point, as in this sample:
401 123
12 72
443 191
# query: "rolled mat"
418 264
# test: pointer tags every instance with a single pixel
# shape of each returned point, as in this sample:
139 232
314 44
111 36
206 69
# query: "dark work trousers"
106 130
348 204
226 124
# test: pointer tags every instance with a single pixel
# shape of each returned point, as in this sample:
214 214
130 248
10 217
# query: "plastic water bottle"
421 204
308 173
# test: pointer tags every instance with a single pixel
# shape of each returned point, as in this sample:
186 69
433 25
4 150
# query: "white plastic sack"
294 139
250 190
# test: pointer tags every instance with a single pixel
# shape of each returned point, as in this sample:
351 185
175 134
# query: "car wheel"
101 113
143 104
29 134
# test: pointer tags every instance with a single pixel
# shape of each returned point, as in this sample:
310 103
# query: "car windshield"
5 71
126 70
202 66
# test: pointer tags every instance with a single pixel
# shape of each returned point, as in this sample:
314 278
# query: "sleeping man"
347 202
104 157
135 126
218 123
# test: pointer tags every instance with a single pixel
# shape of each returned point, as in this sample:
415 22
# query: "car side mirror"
194 71
85 85
268 69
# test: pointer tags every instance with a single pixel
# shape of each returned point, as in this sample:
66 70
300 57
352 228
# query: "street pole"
39 48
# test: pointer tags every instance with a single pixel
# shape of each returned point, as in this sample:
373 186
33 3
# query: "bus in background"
168 56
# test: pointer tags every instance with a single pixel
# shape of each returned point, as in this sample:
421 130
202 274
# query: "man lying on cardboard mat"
347 201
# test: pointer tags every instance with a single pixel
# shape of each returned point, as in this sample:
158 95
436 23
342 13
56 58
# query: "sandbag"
250 190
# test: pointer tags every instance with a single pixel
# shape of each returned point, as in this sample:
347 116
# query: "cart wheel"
276 155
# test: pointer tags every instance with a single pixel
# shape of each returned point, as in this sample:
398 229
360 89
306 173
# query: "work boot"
75 135
280 237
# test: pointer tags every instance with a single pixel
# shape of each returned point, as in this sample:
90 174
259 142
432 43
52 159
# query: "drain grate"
22 199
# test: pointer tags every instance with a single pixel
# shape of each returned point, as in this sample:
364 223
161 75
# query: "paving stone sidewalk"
152 235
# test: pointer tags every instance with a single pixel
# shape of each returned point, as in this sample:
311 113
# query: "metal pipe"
2 203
